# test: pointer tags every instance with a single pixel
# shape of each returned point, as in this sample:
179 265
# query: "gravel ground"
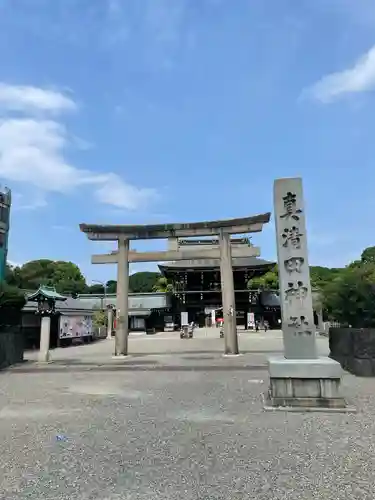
187 424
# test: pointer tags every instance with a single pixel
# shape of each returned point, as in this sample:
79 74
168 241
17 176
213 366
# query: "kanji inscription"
301 324
290 205
253 298
294 274
292 237
298 321
294 264
296 290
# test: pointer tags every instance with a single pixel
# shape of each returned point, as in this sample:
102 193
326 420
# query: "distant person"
257 326
266 326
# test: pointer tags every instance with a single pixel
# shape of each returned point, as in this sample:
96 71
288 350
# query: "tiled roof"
69 304
250 262
48 292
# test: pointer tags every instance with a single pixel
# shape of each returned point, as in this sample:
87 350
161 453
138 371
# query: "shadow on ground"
135 366
193 354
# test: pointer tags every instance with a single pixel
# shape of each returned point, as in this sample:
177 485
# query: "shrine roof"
48 292
179 229
249 262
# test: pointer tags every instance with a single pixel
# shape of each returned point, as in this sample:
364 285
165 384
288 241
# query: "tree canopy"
162 285
65 276
97 288
269 281
346 294
111 286
320 276
368 256
11 297
349 297
12 300
143 282
68 279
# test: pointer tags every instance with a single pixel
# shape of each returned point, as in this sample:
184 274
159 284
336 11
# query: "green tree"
350 297
143 282
95 289
12 300
321 276
11 297
12 275
111 286
368 256
355 264
100 318
163 285
65 276
268 281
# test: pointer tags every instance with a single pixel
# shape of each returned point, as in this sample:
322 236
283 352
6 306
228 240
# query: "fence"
11 346
329 324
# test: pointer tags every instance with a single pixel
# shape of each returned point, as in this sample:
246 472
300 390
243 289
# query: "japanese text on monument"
296 291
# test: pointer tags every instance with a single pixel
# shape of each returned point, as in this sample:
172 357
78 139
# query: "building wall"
136 301
5 204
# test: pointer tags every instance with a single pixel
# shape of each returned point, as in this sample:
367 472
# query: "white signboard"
250 320
184 318
71 327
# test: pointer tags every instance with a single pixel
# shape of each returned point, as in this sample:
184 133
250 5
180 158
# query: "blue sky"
135 111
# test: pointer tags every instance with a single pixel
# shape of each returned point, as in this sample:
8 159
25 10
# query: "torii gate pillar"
227 292
122 298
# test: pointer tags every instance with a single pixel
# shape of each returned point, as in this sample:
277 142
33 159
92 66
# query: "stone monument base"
304 384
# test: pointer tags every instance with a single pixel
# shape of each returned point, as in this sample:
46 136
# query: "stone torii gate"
123 234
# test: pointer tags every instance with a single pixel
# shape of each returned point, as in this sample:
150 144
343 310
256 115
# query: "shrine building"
197 287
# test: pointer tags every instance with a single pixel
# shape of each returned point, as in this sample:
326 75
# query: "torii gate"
123 256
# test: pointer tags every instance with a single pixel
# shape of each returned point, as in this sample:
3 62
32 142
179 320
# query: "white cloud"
359 78
113 191
32 151
29 99
23 202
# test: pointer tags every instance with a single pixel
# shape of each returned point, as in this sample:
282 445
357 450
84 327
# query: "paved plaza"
175 420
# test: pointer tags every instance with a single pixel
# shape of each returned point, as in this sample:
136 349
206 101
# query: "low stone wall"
11 346
354 349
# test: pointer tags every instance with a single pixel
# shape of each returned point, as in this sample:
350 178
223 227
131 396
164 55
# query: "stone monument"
300 378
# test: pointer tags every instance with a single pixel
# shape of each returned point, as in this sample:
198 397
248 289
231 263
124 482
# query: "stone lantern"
110 309
46 298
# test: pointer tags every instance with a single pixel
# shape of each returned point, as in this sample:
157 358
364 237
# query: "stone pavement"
175 420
